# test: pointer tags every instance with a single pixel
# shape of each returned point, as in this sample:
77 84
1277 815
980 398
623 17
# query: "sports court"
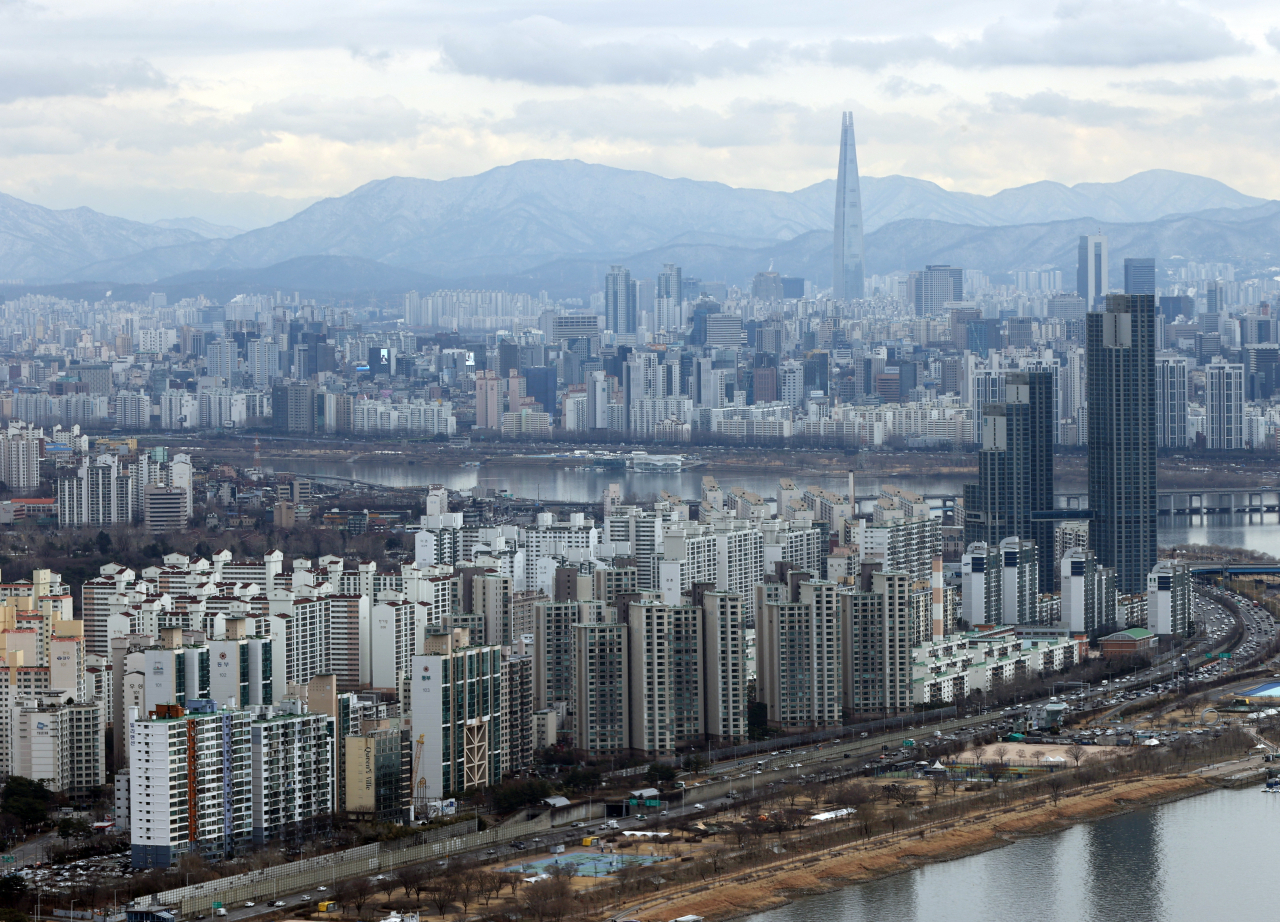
589 864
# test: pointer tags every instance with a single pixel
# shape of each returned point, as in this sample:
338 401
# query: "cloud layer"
296 101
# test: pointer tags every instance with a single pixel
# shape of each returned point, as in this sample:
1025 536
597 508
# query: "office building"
847 276
1140 276
1091 271
1015 468
1224 405
164 508
1120 385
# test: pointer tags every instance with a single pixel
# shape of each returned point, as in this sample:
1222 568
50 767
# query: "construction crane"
419 783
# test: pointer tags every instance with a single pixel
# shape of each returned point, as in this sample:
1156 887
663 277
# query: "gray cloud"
1221 88
1079 33
1273 39
1109 33
543 52
31 79
378 59
1056 106
350 121
898 87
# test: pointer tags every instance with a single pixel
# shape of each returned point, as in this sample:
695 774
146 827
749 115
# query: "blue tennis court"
589 864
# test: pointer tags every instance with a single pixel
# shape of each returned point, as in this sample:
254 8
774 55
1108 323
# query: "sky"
242 112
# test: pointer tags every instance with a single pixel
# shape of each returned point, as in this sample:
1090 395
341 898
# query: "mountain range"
558 225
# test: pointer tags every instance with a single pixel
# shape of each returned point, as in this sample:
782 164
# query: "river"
1256 532
1204 859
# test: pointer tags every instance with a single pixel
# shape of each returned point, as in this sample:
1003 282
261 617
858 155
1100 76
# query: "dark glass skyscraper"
847 280
1140 276
1015 470
1120 384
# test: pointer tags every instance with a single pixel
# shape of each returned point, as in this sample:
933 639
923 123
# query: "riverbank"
777 883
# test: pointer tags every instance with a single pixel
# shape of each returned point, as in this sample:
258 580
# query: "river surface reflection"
1204 859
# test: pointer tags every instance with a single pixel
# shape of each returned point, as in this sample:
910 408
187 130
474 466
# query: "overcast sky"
238 111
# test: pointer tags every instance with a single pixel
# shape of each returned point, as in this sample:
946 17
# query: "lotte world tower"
847 280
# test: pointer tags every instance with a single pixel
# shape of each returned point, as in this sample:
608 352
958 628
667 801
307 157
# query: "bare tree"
1076 753
1001 753
445 892
388 884
939 783
361 890
978 753
1055 783
410 877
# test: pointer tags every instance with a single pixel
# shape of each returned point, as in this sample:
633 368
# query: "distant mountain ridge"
563 222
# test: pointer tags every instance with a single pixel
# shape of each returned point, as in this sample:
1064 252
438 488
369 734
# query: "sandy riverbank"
775 884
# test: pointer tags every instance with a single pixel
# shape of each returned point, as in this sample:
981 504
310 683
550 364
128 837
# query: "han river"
1205 859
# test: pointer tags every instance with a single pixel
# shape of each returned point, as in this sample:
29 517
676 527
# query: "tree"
388 885
939 782
409 877
26 800
445 892
361 890
659 773
103 540
1076 753
1001 753
1055 783
693 763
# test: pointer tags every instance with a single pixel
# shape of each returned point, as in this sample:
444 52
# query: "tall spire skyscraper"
847 281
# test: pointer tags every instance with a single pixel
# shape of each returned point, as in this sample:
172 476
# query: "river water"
1256 532
1204 859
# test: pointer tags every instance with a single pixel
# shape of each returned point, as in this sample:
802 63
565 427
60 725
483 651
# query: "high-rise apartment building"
1171 401
488 400
621 301
847 277
222 360
20 458
798 643
1091 270
1224 405
665 673
933 288
1015 468
1122 437
602 693
456 703
292 770
875 634
190 783
1169 598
